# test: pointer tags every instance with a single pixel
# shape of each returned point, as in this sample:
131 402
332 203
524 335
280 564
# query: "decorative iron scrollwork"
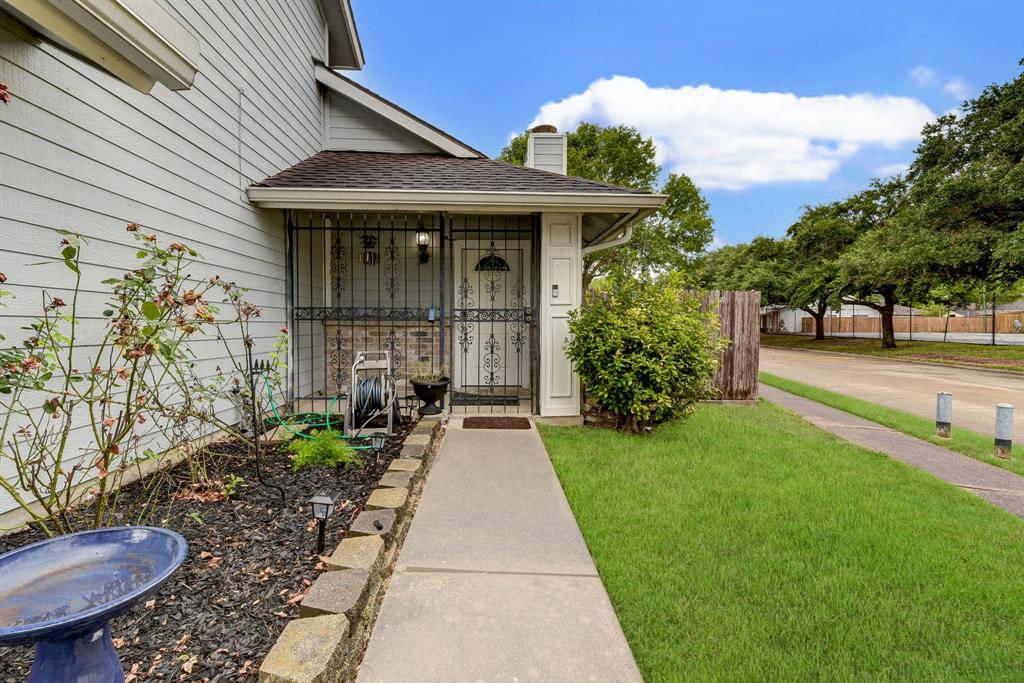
492 361
342 313
493 315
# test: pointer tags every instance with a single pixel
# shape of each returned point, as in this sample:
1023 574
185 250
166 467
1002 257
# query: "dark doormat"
479 422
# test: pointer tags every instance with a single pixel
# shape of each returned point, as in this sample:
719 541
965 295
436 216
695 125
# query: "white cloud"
734 139
922 75
957 87
892 169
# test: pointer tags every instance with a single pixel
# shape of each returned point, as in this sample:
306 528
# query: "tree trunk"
888 333
819 326
819 320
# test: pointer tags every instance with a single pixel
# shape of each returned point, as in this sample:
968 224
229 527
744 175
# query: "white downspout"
618 241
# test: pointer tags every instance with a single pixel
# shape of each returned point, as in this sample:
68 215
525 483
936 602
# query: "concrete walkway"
998 486
494 581
910 387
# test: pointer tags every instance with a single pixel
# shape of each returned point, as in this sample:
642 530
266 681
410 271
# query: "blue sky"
804 102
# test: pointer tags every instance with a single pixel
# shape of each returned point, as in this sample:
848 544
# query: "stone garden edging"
325 644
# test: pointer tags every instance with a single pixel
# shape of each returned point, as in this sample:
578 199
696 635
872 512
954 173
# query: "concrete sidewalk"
494 581
998 486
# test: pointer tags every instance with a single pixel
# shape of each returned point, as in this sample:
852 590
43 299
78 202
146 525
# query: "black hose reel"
373 392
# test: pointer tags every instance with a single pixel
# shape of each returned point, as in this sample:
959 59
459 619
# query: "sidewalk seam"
453 570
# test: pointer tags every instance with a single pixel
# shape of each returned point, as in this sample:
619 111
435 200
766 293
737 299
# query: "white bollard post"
944 414
1004 430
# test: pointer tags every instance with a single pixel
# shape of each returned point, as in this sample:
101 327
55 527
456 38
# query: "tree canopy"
951 229
671 239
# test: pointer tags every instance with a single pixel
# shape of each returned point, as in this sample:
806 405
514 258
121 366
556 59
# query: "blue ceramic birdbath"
61 594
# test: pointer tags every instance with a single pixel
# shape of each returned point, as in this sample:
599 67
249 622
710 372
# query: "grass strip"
743 543
971 444
1006 358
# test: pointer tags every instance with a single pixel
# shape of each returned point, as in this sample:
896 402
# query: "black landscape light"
322 505
377 441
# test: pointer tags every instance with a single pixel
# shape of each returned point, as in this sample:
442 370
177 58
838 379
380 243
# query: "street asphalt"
910 387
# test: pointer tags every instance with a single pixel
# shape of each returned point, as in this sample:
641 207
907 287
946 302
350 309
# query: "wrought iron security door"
492 318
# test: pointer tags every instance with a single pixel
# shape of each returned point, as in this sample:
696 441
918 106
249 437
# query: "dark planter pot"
430 393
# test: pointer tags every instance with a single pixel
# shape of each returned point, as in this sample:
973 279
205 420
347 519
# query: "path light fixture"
322 506
423 243
377 440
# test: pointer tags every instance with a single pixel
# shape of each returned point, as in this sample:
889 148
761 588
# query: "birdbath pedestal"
60 595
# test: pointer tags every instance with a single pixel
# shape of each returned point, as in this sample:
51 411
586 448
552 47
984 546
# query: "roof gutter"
346 199
628 220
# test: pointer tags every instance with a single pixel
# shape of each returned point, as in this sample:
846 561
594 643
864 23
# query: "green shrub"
326 448
644 350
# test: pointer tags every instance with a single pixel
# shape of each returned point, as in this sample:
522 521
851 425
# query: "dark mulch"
483 422
249 563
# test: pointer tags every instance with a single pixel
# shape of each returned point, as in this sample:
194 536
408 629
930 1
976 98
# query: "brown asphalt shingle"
426 172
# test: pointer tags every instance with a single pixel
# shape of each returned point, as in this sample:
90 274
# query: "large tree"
967 185
816 241
893 259
672 239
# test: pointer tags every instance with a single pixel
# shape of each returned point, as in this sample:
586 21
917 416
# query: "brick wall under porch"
414 346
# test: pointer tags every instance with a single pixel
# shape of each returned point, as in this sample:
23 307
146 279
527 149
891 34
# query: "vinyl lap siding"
351 127
80 150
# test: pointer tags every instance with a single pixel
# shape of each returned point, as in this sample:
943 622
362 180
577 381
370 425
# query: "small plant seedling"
325 448
231 485
197 518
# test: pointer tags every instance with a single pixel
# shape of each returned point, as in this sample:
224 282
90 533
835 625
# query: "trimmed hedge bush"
644 350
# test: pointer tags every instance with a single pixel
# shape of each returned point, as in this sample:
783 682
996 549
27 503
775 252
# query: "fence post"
994 320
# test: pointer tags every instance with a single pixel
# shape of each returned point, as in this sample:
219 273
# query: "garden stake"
256 370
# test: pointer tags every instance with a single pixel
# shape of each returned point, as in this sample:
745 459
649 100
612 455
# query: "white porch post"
561 282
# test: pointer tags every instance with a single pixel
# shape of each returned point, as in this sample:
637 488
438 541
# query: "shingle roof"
428 172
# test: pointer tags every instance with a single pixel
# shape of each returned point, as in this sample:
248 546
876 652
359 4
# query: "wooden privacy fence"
739 314
1005 324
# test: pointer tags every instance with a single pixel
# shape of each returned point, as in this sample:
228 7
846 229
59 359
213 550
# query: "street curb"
963 366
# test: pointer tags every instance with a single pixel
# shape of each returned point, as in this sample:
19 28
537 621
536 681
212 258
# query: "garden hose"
369 396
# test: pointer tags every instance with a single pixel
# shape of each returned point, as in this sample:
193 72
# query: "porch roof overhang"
362 181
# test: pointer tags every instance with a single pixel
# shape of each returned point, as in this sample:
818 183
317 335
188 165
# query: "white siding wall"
351 127
82 151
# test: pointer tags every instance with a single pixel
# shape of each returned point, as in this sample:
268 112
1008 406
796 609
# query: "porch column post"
561 282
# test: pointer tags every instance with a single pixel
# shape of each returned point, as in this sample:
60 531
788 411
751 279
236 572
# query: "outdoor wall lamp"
369 250
423 242
322 505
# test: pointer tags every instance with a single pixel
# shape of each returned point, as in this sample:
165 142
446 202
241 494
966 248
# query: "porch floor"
494 581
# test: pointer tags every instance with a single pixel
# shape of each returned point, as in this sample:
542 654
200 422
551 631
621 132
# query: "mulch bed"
249 563
495 423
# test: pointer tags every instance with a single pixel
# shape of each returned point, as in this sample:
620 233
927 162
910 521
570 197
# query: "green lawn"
977 446
976 355
745 544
